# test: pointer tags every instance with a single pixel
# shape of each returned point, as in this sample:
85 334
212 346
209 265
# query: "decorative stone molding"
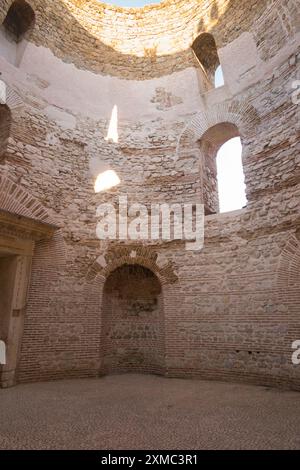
24 227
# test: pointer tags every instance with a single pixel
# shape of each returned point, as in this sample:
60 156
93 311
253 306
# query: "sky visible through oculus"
132 3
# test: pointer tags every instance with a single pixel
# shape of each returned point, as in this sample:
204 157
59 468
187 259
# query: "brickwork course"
79 307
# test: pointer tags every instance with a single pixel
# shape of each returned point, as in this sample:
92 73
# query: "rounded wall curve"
108 38
84 59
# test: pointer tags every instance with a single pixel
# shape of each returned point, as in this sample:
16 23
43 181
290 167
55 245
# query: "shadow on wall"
17 27
67 36
19 20
5 126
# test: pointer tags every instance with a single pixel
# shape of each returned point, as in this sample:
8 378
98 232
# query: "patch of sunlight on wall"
231 178
112 133
219 77
106 180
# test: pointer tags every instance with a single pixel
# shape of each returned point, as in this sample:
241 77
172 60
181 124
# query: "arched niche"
15 30
19 20
132 337
205 50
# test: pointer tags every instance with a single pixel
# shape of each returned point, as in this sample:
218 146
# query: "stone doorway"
15 266
18 235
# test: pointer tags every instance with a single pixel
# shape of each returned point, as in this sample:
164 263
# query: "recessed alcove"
16 28
223 177
132 322
205 50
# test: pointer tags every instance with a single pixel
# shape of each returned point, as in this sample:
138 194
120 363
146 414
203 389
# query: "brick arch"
288 285
243 115
16 200
104 265
288 273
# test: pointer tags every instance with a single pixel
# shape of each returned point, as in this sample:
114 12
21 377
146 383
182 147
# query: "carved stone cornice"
24 227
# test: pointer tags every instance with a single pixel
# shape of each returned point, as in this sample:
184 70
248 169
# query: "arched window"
205 50
5 124
231 178
219 77
19 20
222 169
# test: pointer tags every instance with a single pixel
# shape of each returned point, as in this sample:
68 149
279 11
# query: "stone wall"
229 311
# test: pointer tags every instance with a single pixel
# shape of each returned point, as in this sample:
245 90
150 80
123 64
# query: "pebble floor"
148 412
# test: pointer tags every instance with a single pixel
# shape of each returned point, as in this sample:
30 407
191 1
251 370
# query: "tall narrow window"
231 179
223 176
205 50
219 77
19 20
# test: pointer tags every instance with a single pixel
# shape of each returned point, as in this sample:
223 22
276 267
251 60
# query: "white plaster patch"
8 49
62 118
95 95
239 60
